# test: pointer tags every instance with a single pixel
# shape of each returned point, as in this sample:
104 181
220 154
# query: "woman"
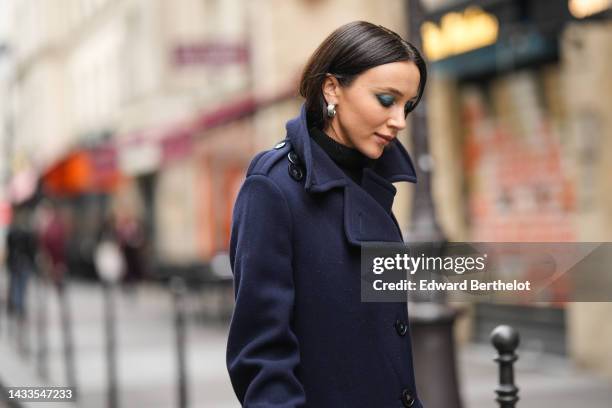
300 335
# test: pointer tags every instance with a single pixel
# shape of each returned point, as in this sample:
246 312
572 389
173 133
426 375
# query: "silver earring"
331 110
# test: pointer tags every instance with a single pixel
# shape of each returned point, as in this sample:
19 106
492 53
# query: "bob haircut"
347 52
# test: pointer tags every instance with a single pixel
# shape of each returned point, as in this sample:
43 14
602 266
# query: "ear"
331 89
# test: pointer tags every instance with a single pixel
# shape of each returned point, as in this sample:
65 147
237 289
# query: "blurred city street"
147 359
127 128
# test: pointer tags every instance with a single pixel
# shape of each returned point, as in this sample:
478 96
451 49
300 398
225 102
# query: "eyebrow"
392 90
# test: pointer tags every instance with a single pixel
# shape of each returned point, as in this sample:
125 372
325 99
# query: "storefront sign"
585 8
210 54
459 32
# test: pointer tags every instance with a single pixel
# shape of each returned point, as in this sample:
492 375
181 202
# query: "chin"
374 152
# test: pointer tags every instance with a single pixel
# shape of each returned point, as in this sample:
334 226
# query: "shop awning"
83 171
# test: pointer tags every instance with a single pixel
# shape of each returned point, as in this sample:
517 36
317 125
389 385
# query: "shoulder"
265 193
278 171
263 163
281 164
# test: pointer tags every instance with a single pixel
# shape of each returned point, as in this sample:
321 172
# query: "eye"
386 100
409 107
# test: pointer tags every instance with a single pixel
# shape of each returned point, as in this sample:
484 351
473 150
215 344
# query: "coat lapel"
367 208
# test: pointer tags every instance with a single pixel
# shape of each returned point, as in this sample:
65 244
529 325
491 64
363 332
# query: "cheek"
365 118
373 117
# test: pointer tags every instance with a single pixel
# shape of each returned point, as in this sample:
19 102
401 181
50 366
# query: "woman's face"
370 111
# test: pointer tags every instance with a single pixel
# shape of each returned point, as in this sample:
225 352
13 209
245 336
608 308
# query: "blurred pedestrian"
130 236
108 257
300 335
21 260
53 238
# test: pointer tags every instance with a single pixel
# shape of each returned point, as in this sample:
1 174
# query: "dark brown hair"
347 52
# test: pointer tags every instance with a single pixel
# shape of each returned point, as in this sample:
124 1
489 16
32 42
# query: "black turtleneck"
351 161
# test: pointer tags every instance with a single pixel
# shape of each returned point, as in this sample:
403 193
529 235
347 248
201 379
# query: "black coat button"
296 172
401 328
407 399
293 157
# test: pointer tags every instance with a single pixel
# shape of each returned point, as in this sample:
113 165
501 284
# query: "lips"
386 138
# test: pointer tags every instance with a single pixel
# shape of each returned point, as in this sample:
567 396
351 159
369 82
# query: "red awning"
83 171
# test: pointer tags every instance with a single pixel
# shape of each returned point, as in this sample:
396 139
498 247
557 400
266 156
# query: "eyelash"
388 100
409 107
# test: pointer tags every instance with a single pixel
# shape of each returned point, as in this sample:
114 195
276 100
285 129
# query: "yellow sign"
585 8
459 32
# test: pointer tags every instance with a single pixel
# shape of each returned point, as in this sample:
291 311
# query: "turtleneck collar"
344 156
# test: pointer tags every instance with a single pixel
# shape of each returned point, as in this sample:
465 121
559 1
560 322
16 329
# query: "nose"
397 120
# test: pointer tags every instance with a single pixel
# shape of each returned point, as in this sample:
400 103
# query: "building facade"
159 106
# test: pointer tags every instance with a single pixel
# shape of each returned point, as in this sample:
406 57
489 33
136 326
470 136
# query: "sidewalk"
145 347
147 368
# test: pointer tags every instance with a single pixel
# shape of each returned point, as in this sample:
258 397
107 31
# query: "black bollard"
178 288
41 328
506 340
66 321
111 349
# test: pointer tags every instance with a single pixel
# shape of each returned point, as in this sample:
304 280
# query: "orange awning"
83 171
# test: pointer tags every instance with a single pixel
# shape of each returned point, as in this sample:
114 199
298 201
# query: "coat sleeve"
262 350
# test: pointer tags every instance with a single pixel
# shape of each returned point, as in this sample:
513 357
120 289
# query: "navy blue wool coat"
300 335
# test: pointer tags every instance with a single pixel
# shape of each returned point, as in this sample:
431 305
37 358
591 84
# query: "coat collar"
367 210
323 174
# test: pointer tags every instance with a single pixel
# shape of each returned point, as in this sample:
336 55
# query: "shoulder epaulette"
263 161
